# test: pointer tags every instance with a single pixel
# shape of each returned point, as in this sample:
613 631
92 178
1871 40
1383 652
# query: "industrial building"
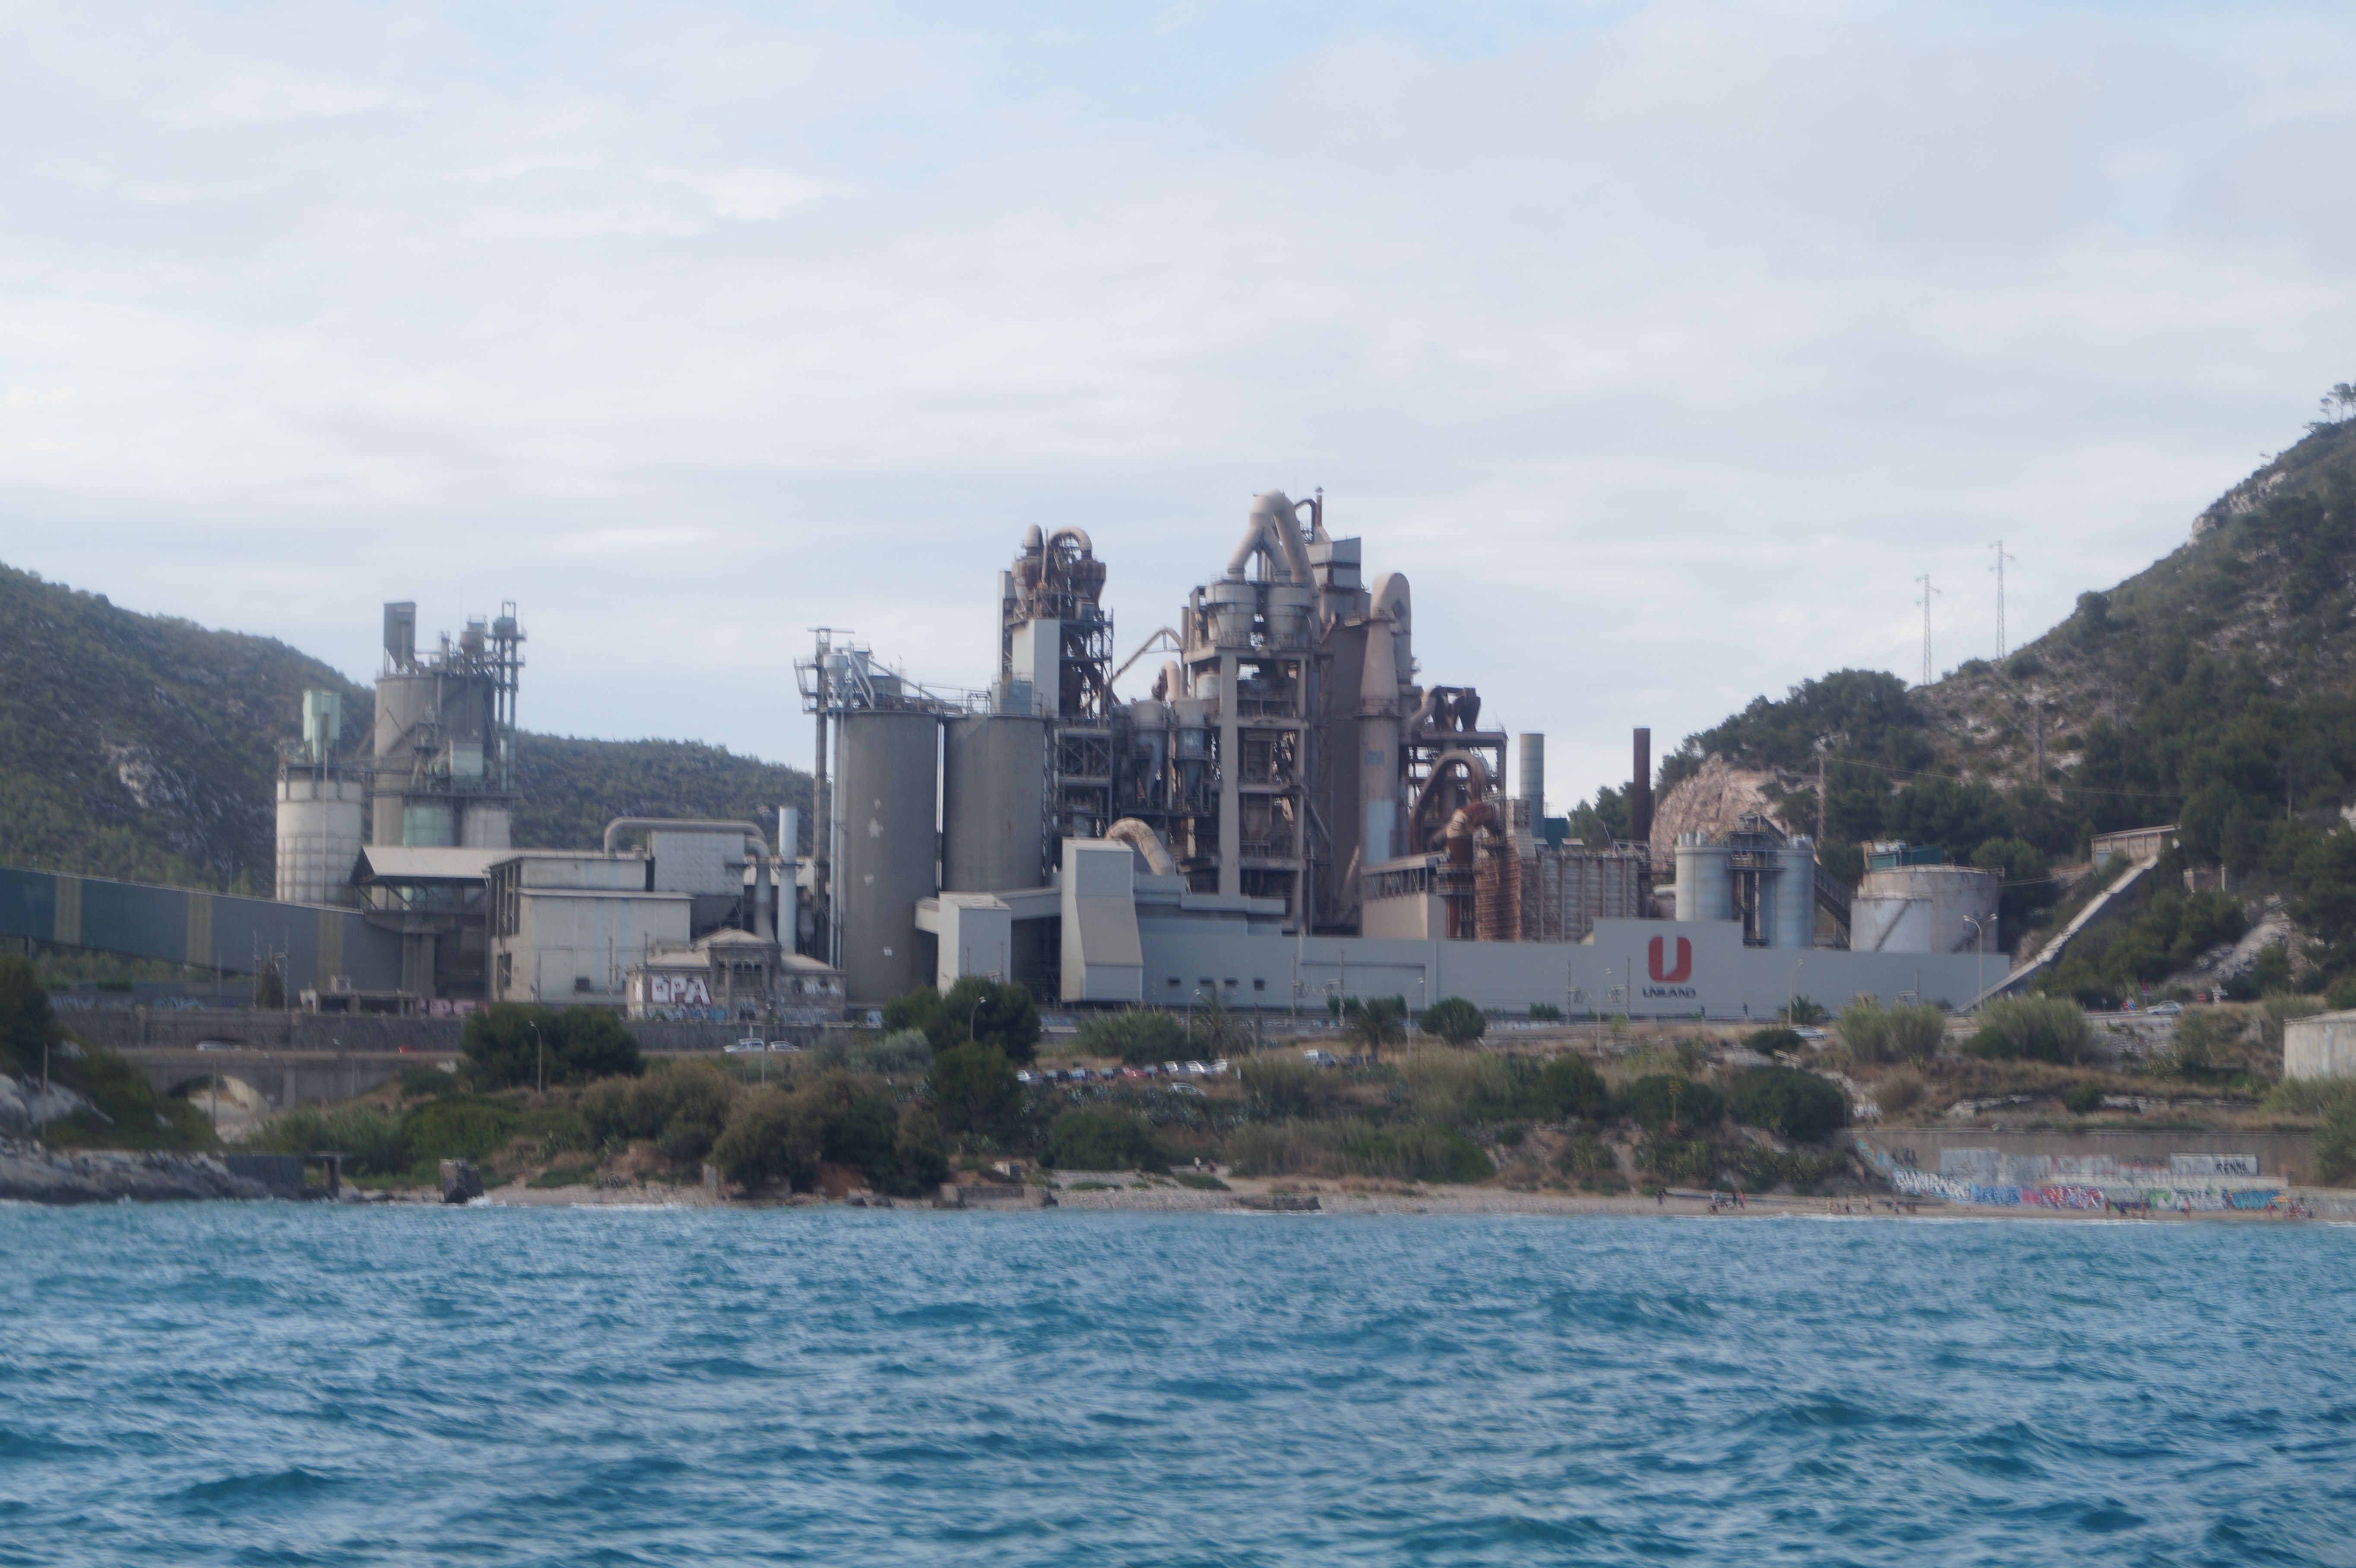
1288 804
1290 812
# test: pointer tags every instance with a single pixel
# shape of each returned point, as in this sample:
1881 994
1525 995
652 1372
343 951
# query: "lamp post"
539 1054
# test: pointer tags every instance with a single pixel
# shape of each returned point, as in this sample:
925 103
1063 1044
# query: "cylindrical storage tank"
1925 909
1234 606
993 789
1705 879
1795 922
322 827
1532 779
403 703
885 791
1290 611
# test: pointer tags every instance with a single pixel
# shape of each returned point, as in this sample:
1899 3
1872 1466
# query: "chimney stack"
1640 792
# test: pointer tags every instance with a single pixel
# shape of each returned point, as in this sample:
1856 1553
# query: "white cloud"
1664 347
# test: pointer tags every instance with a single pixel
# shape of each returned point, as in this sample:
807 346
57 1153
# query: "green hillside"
2215 690
146 747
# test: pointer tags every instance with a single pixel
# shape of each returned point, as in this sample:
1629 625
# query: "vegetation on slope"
146 747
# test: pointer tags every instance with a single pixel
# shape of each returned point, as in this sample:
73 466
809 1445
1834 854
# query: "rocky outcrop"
31 1174
24 1107
1714 799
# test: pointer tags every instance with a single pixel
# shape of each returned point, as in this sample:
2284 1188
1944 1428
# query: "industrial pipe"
1476 774
1141 837
1639 790
1272 528
764 898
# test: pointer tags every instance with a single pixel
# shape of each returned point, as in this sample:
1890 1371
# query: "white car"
1186 1089
1220 1068
1197 1068
1026 1076
1170 1070
784 1045
745 1047
2167 1009
1319 1059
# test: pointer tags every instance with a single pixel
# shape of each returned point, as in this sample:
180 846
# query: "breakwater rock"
31 1174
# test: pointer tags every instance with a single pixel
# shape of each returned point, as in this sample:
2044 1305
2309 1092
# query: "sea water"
270 1383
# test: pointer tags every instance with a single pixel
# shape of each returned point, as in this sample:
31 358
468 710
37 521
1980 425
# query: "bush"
2335 1143
2038 1029
1863 1029
1873 1033
2082 1099
771 1139
506 1042
427 1084
1568 1087
466 1128
1280 1084
1661 1100
1785 1100
26 1024
1356 1149
1899 1093
973 1088
2201 1036
1455 1020
903 1053
1678 1159
1450 1089
1768 1042
372 1141
681 1106
1103 1140
1138 1036
1585 1158
1002 1015
1803 1012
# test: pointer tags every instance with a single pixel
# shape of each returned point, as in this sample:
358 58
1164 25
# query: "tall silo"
322 810
993 803
887 844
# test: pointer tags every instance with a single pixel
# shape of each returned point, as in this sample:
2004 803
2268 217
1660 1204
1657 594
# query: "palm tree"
1377 1021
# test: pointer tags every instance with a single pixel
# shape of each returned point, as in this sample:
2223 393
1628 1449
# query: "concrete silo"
322 810
886 847
994 803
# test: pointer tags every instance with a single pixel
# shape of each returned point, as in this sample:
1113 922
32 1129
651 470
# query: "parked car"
1319 1059
1170 1070
2168 1009
745 1047
1810 1033
783 1045
1192 1089
225 1045
1135 1073
1026 1076
1197 1068
1220 1067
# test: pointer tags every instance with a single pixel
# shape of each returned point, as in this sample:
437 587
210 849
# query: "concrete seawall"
2287 1157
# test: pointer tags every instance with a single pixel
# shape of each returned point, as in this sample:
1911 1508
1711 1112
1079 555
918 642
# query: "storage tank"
885 798
1925 908
993 793
322 827
1531 779
1792 921
1705 879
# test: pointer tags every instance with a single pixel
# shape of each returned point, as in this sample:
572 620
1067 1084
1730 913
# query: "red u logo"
1685 961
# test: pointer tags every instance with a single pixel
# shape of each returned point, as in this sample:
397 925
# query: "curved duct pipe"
1463 826
1272 529
1141 837
1425 711
765 919
1171 684
1060 535
1476 779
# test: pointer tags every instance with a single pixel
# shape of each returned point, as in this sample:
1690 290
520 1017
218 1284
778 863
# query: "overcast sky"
1662 346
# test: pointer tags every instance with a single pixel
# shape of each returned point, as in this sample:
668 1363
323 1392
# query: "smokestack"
1533 777
1640 792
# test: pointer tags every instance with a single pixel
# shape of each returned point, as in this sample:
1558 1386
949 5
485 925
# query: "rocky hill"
146 747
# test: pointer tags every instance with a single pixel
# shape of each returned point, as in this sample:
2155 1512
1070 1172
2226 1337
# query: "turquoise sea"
280 1384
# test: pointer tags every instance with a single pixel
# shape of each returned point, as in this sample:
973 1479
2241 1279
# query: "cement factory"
1292 815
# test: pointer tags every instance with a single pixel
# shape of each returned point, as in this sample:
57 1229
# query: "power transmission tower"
2002 647
1928 592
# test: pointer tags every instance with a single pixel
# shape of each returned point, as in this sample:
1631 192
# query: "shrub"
1001 1015
1863 1029
427 1084
1899 1093
1277 1084
2082 1099
1661 1100
372 1140
1802 1012
1785 1100
1568 1086
2039 1028
1455 1020
1768 1042
1586 1158
2201 1035
505 1044
1915 1032
1356 1149
771 1139
1138 1036
973 1088
682 1107
902 1053
1678 1159
1103 1140
2342 997
1450 1089
2335 1143
463 1128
